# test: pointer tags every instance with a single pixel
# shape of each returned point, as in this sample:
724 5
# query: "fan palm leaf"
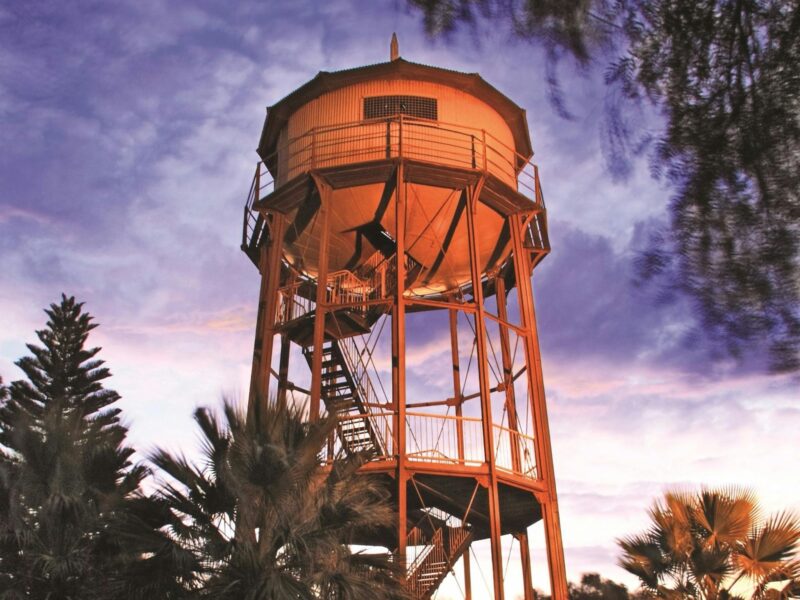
726 516
672 525
701 545
643 558
767 553
266 519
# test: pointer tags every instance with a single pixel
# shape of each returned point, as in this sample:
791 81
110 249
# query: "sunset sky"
128 133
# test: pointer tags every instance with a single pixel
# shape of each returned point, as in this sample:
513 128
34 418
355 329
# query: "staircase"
344 397
442 550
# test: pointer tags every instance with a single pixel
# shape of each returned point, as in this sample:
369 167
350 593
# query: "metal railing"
435 142
375 281
431 556
504 440
345 287
262 185
438 142
293 305
435 438
434 550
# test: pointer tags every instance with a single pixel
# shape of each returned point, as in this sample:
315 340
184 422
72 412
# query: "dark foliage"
725 76
266 520
594 587
69 494
261 518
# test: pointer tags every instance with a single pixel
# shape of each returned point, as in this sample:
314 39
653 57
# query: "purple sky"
128 134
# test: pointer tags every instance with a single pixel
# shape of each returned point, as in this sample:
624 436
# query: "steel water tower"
395 218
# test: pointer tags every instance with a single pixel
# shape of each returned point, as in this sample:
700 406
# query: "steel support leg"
324 191
513 422
544 454
283 369
482 358
508 375
399 363
457 396
270 267
525 560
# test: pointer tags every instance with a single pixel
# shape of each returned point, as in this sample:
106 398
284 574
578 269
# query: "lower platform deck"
462 493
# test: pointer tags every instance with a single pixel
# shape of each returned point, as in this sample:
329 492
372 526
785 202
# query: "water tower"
395 218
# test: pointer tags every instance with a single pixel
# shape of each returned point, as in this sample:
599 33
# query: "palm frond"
725 516
770 548
642 557
288 517
702 544
672 524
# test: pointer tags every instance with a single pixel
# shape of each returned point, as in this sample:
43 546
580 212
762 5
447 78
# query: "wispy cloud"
9 212
132 129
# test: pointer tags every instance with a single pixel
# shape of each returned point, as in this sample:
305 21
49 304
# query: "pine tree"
65 379
73 523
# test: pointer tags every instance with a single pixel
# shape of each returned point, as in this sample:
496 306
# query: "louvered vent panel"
376 107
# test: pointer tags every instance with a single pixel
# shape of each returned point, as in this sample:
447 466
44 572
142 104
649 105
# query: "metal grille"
376 107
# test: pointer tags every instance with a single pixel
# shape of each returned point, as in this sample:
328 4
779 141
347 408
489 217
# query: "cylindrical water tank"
445 120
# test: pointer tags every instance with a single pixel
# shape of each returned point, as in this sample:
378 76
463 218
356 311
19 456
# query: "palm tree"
702 545
267 520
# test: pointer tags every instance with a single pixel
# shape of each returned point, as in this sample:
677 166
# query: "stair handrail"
365 389
434 547
456 537
441 554
437 549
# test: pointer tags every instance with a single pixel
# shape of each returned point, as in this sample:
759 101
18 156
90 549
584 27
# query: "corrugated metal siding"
283 158
424 140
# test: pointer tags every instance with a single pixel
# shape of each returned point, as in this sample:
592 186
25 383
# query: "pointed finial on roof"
394 48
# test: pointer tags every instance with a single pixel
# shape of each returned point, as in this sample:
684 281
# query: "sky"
128 133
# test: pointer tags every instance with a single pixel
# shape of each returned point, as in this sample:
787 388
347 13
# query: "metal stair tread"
340 393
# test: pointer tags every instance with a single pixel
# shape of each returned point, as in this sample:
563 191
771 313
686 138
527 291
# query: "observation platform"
359 161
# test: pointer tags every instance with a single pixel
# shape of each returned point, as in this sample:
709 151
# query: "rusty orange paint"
381 217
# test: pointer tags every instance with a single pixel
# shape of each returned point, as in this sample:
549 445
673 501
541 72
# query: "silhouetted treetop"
69 491
63 376
725 77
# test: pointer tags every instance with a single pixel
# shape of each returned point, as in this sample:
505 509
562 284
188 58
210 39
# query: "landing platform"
459 495
339 324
